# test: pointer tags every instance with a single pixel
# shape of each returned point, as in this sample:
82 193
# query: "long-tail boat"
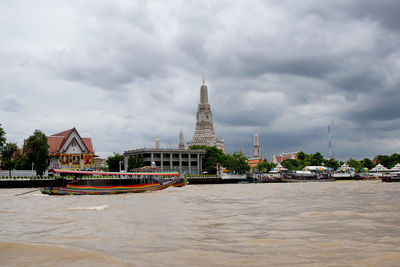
130 183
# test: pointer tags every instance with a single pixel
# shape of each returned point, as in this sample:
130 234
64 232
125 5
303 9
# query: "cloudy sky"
125 72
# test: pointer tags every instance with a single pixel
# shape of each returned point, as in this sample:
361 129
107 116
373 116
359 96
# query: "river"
302 224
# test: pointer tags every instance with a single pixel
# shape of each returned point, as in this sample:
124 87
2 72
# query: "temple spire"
256 149
204 93
181 140
204 133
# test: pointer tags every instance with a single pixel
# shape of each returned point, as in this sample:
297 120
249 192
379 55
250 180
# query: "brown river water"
300 224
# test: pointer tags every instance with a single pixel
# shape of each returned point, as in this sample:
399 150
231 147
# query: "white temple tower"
157 143
181 140
204 133
256 149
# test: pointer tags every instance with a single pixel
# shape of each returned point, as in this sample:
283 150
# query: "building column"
190 165
126 158
162 161
180 162
199 163
170 161
151 158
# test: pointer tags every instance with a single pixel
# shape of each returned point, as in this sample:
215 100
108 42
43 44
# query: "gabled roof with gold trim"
57 141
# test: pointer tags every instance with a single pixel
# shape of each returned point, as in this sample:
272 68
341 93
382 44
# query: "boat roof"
115 173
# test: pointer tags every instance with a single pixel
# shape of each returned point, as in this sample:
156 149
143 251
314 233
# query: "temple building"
204 134
284 156
68 150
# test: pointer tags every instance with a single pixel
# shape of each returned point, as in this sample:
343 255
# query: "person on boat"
74 181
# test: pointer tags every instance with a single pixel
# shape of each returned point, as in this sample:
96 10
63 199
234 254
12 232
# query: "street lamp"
120 166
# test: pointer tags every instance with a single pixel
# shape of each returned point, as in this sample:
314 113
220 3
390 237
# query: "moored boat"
134 183
180 182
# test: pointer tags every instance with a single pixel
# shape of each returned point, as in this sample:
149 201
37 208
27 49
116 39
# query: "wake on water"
90 208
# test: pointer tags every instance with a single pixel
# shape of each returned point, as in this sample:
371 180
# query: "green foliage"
2 137
23 163
8 154
388 161
291 164
237 163
266 166
332 163
367 163
37 150
113 162
135 162
315 159
356 164
212 158
301 156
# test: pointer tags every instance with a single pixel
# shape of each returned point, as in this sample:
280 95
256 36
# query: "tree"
388 161
367 163
23 162
354 164
135 162
291 164
301 156
395 159
198 147
315 159
332 163
8 154
212 158
237 163
2 137
113 162
266 166
384 160
36 149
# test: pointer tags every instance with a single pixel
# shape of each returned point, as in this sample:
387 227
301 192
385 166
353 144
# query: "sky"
125 72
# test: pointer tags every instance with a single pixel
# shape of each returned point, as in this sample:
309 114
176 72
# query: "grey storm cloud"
125 72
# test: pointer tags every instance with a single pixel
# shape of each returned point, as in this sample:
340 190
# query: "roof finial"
204 80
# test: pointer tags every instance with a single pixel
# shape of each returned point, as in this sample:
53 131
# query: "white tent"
345 167
396 168
315 168
279 168
379 168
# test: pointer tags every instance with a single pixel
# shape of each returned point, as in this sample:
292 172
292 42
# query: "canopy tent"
315 168
345 168
279 168
396 168
379 168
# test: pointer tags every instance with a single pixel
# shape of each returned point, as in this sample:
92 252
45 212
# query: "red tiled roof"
64 133
280 159
88 144
56 141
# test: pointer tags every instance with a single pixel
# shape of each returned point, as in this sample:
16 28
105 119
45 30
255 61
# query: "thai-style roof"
254 162
57 141
379 168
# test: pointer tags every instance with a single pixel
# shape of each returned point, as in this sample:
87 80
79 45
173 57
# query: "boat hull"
71 189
